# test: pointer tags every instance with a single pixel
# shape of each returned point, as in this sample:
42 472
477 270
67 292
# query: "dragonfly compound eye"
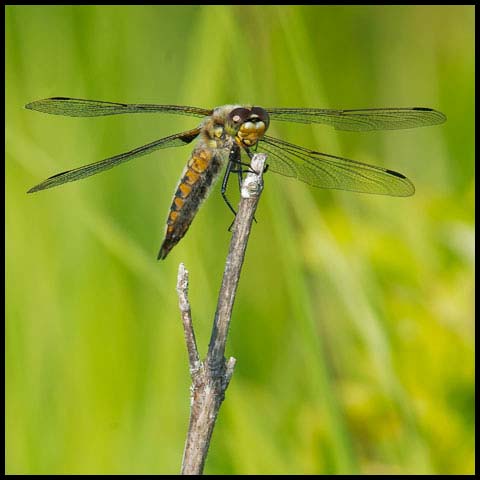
239 115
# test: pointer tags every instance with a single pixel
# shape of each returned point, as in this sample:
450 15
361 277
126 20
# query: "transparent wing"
77 107
361 120
328 171
176 140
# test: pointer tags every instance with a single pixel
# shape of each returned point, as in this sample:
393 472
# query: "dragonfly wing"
176 140
328 171
77 107
363 119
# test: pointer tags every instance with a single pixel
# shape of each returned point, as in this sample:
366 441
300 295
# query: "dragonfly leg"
240 173
250 155
228 171
238 162
240 178
226 177
249 168
245 170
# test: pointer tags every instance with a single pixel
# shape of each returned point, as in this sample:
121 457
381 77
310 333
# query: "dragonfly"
226 132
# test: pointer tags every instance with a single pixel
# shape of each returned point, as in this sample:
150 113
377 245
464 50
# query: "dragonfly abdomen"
198 177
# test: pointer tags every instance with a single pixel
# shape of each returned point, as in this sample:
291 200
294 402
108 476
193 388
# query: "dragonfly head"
248 125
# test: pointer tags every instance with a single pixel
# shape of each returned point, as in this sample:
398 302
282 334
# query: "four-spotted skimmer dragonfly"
226 131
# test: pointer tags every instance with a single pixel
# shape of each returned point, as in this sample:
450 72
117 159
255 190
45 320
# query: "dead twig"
210 378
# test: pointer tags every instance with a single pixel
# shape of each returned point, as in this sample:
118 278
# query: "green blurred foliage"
353 325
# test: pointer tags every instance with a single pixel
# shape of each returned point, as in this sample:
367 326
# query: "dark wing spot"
392 172
189 137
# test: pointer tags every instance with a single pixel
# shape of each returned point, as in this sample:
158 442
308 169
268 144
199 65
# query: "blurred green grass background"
353 325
